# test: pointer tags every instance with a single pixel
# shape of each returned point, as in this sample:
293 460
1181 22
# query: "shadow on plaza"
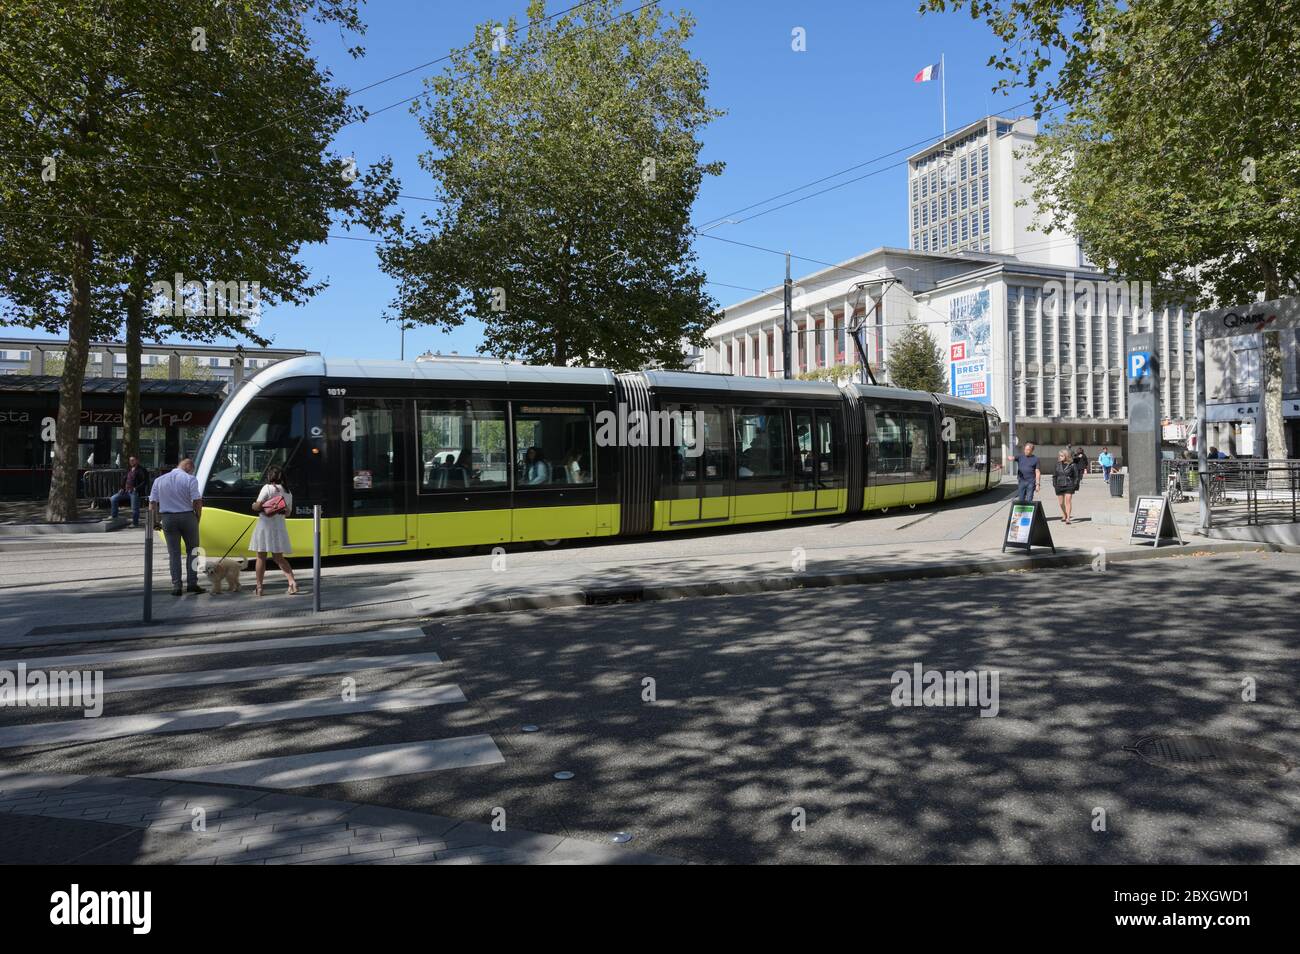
771 703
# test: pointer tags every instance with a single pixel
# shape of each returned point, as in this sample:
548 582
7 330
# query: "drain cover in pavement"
1203 754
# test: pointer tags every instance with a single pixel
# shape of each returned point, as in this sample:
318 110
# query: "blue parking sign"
1139 364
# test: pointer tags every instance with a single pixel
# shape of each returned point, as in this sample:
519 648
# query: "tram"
428 455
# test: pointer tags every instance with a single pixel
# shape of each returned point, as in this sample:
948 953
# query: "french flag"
931 72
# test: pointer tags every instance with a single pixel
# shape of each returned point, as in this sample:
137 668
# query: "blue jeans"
1105 474
1024 490
121 497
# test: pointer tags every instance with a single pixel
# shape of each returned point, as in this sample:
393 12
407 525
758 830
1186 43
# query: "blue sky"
792 117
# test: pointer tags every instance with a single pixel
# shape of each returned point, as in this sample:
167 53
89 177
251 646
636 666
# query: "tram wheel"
884 510
911 506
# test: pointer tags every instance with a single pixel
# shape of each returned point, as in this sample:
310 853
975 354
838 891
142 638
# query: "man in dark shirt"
1080 461
1028 475
134 484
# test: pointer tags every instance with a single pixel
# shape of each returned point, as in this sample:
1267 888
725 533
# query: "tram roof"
440 370
738 384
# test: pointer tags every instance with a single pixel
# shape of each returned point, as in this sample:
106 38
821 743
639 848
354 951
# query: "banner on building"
970 331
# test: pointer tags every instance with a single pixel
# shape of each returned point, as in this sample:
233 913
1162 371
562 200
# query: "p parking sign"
1139 365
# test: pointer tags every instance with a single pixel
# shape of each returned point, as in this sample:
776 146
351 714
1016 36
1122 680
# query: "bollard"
148 565
315 558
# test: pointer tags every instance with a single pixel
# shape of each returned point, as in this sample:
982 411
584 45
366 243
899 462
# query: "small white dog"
224 571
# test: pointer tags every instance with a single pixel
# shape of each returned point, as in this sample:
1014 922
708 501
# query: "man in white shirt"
176 497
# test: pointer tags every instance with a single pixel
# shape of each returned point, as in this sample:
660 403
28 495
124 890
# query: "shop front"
173 418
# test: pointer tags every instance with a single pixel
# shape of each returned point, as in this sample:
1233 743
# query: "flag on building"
930 72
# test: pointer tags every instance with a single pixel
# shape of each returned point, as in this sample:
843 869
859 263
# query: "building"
968 192
1048 339
1234 400
174 416
228 364
181 388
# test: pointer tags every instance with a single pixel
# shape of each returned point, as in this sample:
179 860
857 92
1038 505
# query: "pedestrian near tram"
1107 463
1029 477
271 535
176 497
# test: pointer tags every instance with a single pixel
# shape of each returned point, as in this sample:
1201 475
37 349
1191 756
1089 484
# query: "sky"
791 117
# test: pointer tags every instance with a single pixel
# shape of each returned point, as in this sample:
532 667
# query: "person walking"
1107 463
271 535
1028 475
134 484
1080 462
1065 481
176 497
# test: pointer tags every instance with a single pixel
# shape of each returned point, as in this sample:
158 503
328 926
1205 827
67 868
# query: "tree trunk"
134 350
1270 373
61 507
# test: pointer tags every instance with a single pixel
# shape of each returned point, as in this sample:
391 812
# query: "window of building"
984 163
925 215
964 196
962 167
925 187
553 445
943 234
943 206
1031 397
760 444
463 446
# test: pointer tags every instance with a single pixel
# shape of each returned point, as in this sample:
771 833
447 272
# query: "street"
767 734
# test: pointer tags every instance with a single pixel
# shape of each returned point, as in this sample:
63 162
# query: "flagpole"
943 86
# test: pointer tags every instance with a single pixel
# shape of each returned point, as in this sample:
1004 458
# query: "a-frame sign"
1027 527
1153 519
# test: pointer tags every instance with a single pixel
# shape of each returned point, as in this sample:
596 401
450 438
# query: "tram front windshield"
268 431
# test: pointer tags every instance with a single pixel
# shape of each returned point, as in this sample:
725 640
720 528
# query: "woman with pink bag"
271 535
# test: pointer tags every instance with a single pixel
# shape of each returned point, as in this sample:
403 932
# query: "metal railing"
101 484
1246 492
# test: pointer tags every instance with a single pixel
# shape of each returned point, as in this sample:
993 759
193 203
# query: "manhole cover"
1203 754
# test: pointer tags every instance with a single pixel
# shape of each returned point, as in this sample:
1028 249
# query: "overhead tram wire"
407 72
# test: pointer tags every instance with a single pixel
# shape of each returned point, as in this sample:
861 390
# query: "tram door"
818 460
375 484
700 479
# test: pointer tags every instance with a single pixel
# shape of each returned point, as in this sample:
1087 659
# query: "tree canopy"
566 159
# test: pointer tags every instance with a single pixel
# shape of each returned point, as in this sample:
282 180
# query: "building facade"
1045 340
40 356
969 192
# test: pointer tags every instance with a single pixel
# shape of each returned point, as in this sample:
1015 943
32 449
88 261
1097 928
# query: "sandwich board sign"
1027 527
1152 519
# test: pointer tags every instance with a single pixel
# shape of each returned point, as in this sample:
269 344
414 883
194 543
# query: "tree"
566 159
1179 158
916 361
136 140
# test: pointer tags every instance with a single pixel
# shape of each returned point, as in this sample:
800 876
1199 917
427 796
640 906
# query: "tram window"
717 444
825 443
553 445
803 441
760 444
269 431
686 454
967 452
919 428
463 446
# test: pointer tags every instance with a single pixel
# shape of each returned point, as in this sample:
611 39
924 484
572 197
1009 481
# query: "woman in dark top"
1065 481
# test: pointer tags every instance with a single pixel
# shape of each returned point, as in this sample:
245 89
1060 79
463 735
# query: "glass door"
699 480
374 472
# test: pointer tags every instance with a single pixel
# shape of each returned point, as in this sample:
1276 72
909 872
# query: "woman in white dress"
271 535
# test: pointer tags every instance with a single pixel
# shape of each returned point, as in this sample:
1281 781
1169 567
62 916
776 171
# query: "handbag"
274 505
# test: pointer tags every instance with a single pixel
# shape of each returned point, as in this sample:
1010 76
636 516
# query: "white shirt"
175 491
